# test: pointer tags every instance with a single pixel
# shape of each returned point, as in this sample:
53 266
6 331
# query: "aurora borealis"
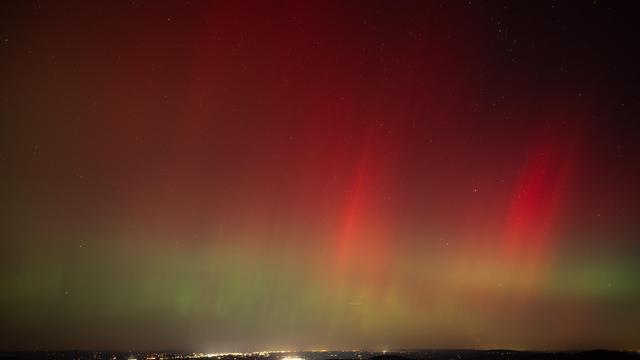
234 176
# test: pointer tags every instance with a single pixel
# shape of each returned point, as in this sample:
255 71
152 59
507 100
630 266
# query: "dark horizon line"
393 351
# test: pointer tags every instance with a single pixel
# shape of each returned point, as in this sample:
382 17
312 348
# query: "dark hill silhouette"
510 354
388 357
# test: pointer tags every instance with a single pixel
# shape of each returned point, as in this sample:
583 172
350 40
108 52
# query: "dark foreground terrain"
329 355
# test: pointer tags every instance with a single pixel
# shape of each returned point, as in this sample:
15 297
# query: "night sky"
306 175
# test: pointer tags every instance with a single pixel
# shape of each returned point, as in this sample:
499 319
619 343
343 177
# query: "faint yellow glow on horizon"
292 358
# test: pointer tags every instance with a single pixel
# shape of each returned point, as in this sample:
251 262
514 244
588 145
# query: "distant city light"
292 358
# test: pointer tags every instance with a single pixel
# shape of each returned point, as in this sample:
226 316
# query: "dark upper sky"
304 175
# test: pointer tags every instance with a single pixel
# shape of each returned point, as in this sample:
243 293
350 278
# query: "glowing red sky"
326 174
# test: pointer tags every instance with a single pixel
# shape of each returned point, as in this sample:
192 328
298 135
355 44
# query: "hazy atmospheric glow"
238 176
